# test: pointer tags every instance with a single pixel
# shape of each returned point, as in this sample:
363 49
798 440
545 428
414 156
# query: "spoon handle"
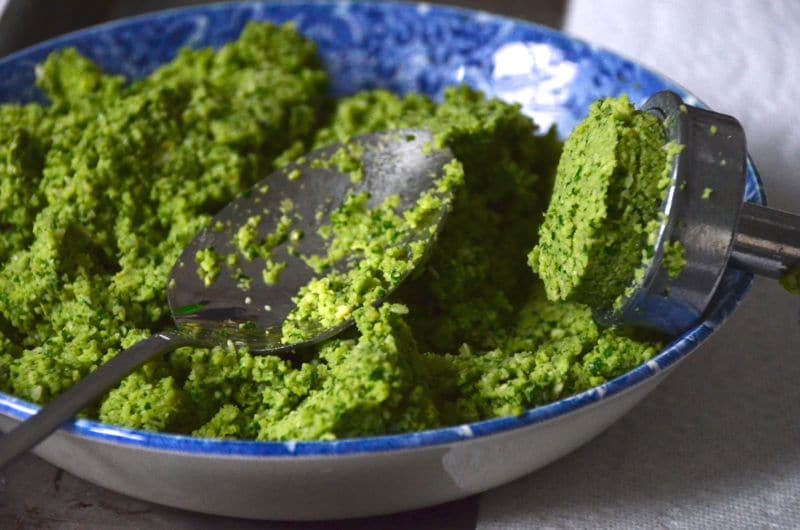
767 241
32 431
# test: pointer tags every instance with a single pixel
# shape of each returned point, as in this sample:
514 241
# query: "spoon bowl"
238 305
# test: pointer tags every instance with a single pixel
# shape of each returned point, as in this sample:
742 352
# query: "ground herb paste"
600 230
104 187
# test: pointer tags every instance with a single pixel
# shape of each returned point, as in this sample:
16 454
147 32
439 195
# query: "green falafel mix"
103 188
600 229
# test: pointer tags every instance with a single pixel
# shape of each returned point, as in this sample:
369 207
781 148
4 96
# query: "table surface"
717 444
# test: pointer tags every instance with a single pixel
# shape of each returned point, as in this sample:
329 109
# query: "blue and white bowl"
401 47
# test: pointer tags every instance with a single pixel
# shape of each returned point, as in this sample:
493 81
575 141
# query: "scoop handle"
35 429
767 240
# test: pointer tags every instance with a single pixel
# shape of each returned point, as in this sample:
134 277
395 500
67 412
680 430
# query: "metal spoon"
394 163
705 213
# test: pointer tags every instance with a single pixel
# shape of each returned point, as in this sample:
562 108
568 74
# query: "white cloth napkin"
718 444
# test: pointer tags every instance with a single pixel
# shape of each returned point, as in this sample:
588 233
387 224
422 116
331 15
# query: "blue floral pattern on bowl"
403 48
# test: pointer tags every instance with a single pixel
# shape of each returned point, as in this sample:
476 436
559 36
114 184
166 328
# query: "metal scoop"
705 213
251 313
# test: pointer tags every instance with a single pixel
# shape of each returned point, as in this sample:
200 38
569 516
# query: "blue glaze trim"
400 47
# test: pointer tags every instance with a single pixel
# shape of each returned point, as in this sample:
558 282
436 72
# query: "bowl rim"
19 409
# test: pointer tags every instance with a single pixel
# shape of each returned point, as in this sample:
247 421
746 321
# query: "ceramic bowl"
401 47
